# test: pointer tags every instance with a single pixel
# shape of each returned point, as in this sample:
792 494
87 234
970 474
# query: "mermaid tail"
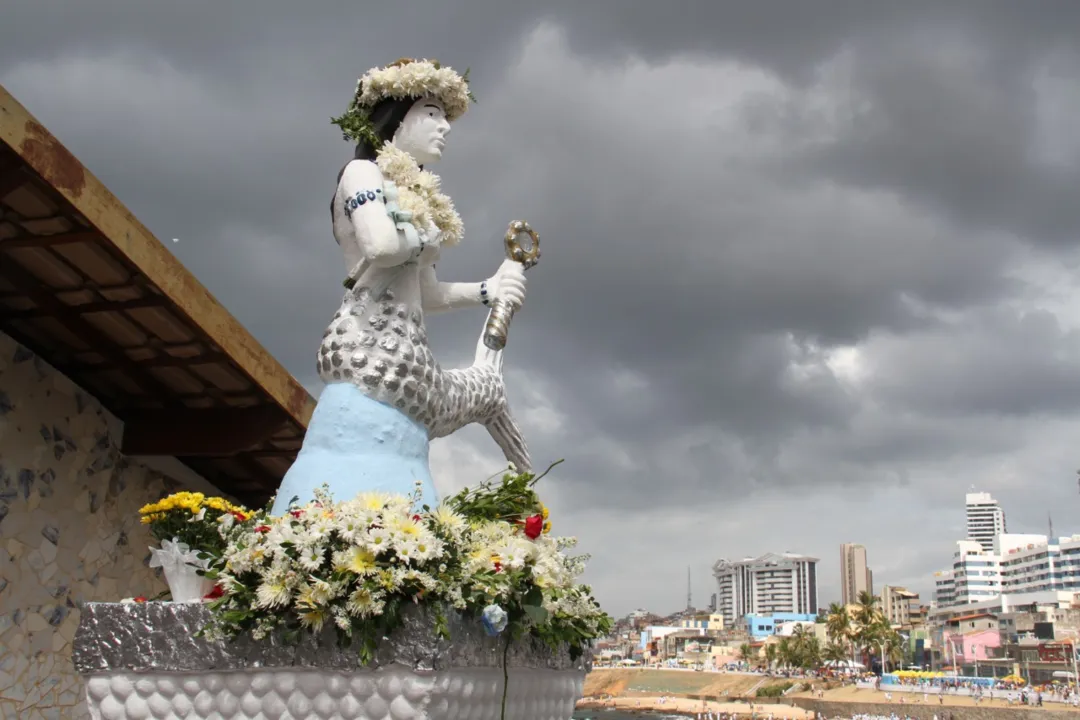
478 394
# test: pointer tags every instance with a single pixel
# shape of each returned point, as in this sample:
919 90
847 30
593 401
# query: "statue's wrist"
484 293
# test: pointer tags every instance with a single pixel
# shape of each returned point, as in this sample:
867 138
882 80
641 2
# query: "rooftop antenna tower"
689 595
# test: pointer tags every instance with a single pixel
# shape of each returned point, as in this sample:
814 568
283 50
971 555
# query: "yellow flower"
544 510
359 561
313 619
547 527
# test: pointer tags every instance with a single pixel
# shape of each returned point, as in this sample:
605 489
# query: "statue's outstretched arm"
439 297
507 283
380 242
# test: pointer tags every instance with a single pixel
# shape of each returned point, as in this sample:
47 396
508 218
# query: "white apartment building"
975 576
767 585
944 588
1032 563
985 519
1019 564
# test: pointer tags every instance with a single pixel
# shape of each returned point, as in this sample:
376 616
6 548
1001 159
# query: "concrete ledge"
826 709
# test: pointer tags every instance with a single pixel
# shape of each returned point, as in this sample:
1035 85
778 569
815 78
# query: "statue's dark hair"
386 118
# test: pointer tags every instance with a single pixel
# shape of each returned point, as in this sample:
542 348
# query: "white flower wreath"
404 78
418 193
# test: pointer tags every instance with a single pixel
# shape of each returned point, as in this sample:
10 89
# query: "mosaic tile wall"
69 530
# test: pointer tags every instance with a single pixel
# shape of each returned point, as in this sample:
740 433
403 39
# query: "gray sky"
809 272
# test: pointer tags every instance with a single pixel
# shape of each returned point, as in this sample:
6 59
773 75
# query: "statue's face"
423 131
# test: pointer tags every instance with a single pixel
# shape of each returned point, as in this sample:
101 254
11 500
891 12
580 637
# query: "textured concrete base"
391 693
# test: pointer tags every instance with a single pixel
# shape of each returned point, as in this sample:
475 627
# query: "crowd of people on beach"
1012 690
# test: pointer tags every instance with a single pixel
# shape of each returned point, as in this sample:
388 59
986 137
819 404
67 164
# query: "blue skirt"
356 444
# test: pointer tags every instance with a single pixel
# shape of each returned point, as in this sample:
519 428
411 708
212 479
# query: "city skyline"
984 504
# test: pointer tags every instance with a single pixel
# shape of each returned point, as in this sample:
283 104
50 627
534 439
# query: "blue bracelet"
483 292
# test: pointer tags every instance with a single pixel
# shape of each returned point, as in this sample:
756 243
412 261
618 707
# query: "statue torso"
377 339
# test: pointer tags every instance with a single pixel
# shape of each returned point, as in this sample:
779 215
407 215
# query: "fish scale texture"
388 694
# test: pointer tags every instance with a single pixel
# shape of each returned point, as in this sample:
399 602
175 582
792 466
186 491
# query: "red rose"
416 518
239 517
534 526
263 529
296 513
141 598
214 594
498 566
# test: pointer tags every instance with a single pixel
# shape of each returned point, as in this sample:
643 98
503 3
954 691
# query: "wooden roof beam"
68 238
11 180
199 433
150 301
93 337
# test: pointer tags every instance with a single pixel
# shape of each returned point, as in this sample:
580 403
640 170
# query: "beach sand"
685 705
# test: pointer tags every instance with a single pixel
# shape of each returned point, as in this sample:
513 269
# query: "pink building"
972 646
969 638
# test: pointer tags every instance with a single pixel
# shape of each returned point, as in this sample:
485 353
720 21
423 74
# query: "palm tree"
746 652
785 652
807 649
834 652
840 628
893 647
868 623
770 655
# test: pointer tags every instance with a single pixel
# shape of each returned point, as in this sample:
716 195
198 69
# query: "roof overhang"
88 288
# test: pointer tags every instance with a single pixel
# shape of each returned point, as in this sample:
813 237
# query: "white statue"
386 394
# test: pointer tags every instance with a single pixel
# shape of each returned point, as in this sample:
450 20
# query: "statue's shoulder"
362 172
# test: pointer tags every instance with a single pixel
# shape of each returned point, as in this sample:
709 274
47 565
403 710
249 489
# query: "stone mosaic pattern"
69 530
393 693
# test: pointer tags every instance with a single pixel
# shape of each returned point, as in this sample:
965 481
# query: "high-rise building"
975 576
900 606
985 519
767 585
855 576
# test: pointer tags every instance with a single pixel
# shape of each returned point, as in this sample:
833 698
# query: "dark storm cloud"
781 239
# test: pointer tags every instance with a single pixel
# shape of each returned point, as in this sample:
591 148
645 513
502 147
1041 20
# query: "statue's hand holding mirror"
523 251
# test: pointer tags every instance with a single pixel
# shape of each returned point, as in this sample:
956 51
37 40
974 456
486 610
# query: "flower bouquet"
356 565
188 526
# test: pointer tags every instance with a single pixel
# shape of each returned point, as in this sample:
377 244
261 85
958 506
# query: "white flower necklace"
418 193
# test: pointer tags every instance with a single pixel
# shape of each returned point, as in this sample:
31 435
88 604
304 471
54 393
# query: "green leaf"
535 596
536 613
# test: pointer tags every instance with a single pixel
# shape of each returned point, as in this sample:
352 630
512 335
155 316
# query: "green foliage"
355 124
774 691
512 499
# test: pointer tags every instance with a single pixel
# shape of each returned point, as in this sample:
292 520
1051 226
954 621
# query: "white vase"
185 583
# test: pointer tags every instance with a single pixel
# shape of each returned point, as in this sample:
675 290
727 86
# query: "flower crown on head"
401 79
